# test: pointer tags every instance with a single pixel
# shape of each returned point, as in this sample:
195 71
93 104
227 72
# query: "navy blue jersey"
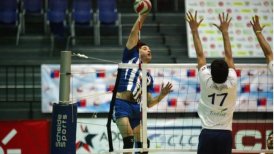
131 79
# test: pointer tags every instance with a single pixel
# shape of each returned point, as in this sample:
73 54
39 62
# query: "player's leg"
215 142
126 131
205 144
139 144
122 114
135 124
224 142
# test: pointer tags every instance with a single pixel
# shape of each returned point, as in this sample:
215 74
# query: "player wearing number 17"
218 92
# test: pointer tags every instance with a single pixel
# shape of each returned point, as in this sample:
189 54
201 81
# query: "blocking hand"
256 24
224 22
193 23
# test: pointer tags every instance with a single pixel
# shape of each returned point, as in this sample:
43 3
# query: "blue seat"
57 10
108 16
82 18
10 18
33 6
107 11
34 10
82 11
57 22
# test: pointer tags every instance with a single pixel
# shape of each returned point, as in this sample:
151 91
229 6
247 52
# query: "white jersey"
270 66
217 101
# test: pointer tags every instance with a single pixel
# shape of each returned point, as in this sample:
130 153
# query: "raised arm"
133 36
257 28
151 101
194 24
223 27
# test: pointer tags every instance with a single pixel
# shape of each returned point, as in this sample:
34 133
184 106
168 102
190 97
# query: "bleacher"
20 78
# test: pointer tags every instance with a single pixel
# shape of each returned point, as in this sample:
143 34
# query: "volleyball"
142 6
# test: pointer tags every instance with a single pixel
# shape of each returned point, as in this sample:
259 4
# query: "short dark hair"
140 44
219 70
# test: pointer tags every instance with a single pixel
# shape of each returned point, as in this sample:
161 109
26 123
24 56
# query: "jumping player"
127 107
218 92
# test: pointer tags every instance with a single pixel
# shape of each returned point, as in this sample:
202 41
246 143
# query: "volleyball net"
172 126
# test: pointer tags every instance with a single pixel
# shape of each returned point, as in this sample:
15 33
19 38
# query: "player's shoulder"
203 68
204 72
232 74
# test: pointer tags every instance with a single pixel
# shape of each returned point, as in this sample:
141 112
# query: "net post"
144 107
64 114
65 70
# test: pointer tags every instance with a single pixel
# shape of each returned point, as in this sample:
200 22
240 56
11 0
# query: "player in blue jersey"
127 107
257 28
218 92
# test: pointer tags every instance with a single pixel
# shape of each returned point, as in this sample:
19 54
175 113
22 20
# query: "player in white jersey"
127 107
218 92
257 28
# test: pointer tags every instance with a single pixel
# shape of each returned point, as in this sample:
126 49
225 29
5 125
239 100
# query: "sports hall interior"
33 40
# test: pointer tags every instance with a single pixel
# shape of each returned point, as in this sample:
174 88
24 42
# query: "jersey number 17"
218 95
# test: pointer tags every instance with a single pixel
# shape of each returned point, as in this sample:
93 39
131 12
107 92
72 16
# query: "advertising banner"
179 133
251 135
92 85
64 119
243 40
24 137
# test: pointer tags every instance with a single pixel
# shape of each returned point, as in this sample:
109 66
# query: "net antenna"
111 108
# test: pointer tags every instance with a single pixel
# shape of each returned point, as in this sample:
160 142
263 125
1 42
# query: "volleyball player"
127 104
218 92
257 28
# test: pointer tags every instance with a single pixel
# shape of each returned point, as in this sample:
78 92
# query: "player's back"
218 101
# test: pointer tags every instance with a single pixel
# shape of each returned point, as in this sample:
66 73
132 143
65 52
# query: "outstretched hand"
166 89
193 23
256 24
224 22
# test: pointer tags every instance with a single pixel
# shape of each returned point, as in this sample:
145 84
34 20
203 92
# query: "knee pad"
128 142
140 144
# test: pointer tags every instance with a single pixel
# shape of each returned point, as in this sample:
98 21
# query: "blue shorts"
128 109
215 142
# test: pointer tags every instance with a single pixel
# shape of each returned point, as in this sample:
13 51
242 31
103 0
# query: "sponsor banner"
243 40
171 134
64 119
24 137
92 85
251 135
163 134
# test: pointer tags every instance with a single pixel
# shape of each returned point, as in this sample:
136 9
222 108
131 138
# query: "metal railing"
20 83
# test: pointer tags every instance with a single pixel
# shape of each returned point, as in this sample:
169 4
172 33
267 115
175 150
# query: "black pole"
112 103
